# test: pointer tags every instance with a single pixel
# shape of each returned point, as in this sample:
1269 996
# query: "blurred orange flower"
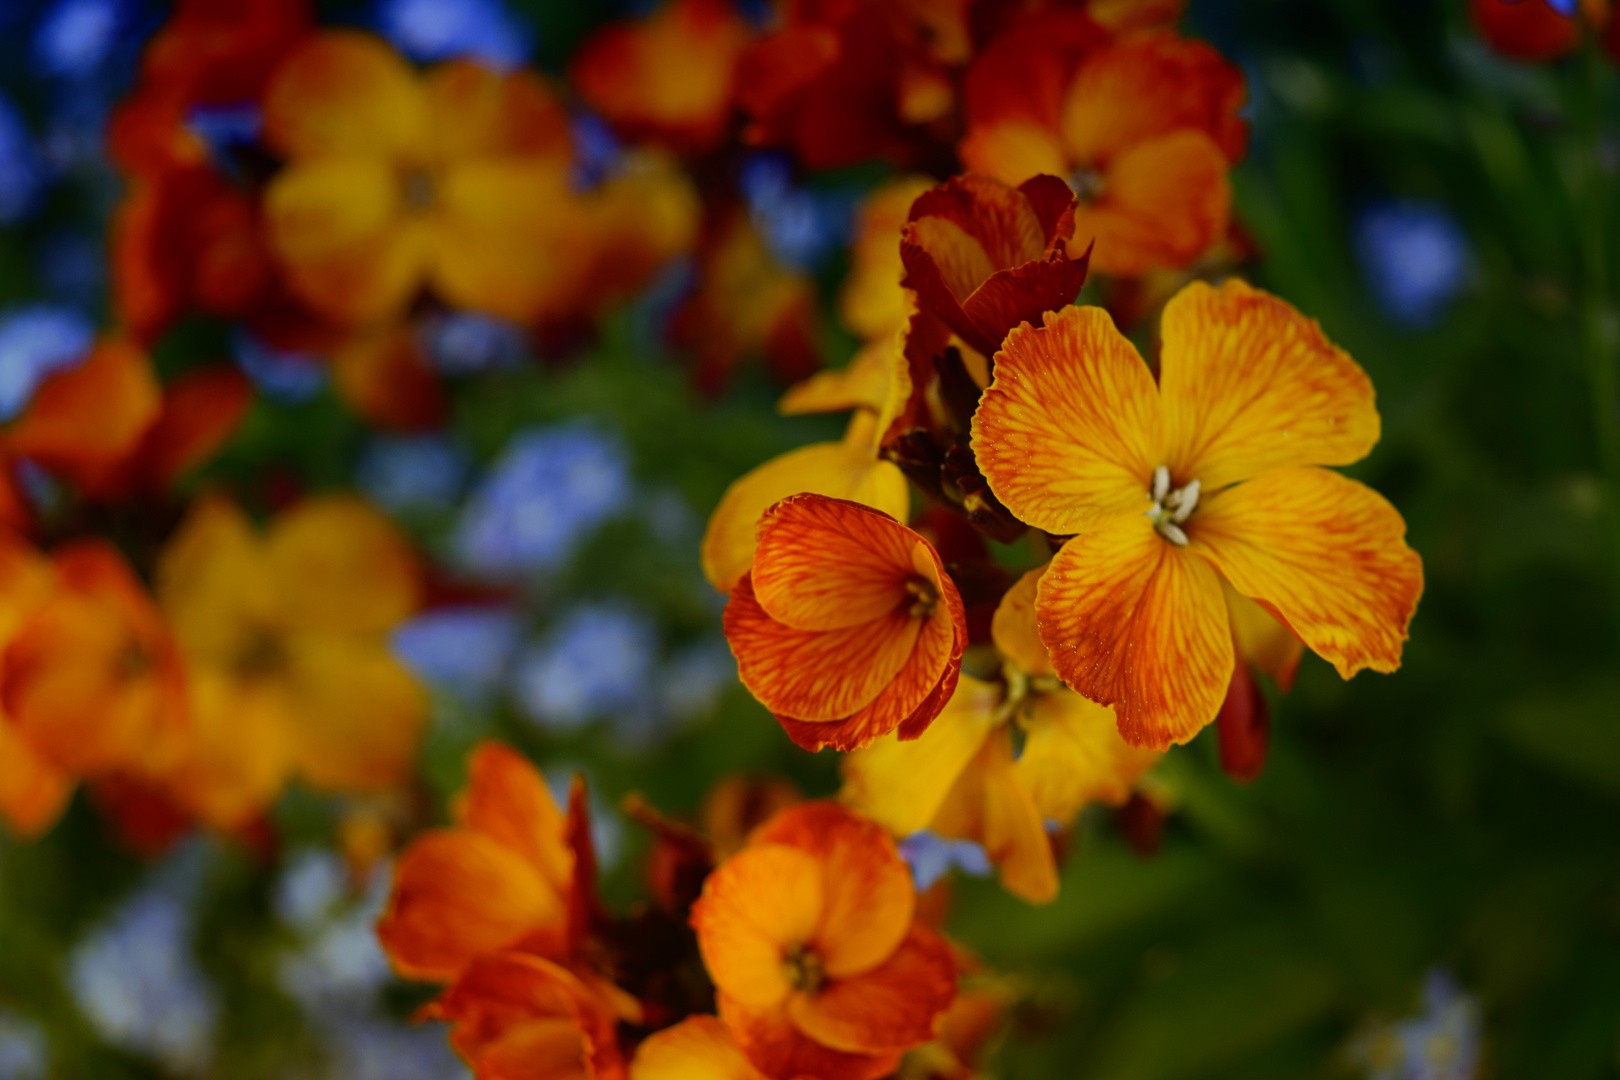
34 790
1144 129
872 302
810 934
847 627
1213 474
285 637
699 1046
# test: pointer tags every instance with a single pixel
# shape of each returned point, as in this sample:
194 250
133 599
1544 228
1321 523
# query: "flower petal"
1013 150
345 93
1070 429
33 790
697 1048
340 565
891 1007
1166 201
831 564
86 420
474 111
1324 554
507 799
1074 755
1250 384
776 1046
1014 630
1262 640
990 806
1132 621
759 904
901 785
357 714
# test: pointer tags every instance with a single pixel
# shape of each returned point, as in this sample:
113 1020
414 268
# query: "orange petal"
357 714
201 411
1013 150
697 1048
345 93
1070 430
891 1007
871 302
85 421
759 904
33 790
1014 629
838 470
1262 640
1324 554
1149 86
1132 621
385 378
1074 755
869 899
831 564
990 805
1165 201
459 895
506 798
1250 384
340 565
238 755
474 111
779 1049
1024 294
863 384
901 785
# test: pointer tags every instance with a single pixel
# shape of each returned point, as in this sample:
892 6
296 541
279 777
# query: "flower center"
1171 509
802 966
1089 183
923 597
263 654
417 190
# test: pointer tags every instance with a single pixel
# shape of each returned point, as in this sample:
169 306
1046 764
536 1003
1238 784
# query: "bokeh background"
1432 853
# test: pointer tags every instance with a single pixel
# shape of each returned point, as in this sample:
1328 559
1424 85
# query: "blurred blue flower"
464 342
800 226
548 489
24 1054
22 172
372 1049
691 682
597 150
137 983
309 889
1415 258
596 663
932 856
35 341
73 38
1442 1043
416 472
281 375
465 651
482 30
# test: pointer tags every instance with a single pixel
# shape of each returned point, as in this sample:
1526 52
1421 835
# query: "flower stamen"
802 966
924 597
1171 509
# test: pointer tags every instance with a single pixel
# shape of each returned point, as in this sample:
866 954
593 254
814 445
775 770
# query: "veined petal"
697 1048
1262 640
1134 622
1074 754
759 904
345 93
901 785
1166 201
1250 384
1070 430
891 1007
507 799
1323 553
958 256
816 675
776 1046
990 805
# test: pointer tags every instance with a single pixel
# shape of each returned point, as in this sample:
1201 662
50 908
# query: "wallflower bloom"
34 789
1211 475
286 642
984 257
697 1046
962 778
1144 128
872 303
811 937
847 627
499 879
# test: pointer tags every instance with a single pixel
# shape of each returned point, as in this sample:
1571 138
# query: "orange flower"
667 78
1144 128
499 879
984 257
699 1046
521 1017
459 180
847 627
872 302
811 938
384 377
1211 475
34 790
1120 15
285 637
92 678
962 779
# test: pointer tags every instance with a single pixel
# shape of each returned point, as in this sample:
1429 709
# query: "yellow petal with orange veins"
1165 201
756 907
1325 554
697 1048
901 785
340 565
33 790
990 805
345 93
1014 629
1070 430
475 111
1262 640
1250 384
826 564
1136 623
1074 755
1013 151
838 470
356 713
507 798
864 384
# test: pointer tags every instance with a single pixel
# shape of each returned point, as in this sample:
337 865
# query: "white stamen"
1173 533
1187 503
1161 483
1171 509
